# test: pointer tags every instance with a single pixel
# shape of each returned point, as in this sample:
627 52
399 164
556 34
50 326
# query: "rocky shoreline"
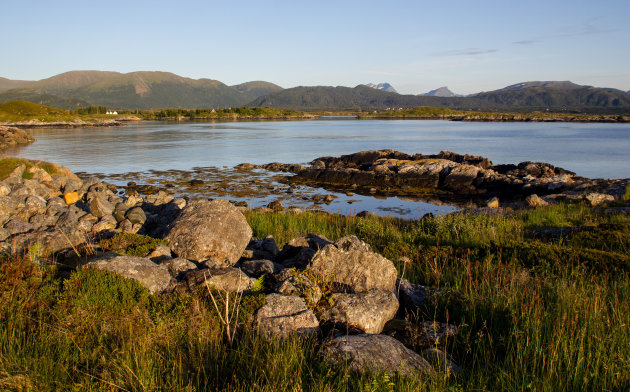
447 176
608 118
340 292
11 137
30 124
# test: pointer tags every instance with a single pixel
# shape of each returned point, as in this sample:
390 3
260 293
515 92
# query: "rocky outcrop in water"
11 137
446 175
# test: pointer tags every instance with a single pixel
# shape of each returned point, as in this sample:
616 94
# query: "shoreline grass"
527 321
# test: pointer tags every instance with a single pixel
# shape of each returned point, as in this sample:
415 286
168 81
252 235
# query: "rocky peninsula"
450 177
11 137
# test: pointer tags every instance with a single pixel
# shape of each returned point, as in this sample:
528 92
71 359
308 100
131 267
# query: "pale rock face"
213 230
353 267
156 278
285 315
367 312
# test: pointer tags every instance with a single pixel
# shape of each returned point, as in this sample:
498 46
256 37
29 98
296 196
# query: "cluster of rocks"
48 206
10 137
341 292
448 175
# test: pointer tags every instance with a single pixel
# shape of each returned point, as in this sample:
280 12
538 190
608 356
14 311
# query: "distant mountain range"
147 90
136 90
441 92
383 87
540 96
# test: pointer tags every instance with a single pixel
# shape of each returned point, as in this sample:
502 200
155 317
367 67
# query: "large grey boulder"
154 277
209 230
353 267
285 315
366 312
375 353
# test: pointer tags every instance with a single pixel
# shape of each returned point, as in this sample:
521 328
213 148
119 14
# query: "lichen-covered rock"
375 354
100 206
178 267
224 279
209 230
285 315
136 216
353 267
156 278
366 312
535 201
257 268
597 199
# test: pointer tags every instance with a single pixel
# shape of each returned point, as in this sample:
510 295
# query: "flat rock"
209 230
257 268
366 312
225 279
285 315
156 278
375 354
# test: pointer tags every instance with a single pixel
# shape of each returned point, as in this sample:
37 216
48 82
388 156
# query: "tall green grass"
524 325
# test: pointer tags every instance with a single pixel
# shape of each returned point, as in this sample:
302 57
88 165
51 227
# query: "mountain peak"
443 92
383 87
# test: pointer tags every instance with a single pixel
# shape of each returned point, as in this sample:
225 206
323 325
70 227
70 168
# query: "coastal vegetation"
32 113
534 311
243 112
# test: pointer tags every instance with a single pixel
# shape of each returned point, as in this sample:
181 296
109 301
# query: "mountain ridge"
134 90
156 89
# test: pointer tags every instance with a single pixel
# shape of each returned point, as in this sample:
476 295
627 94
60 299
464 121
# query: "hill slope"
137 90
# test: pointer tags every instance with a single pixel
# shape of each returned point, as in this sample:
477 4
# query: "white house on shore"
111 112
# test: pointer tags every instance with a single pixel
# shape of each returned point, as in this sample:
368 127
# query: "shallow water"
590 150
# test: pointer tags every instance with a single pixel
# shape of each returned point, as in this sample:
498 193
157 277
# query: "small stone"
493 203
71 198
136 216
535 201
275 205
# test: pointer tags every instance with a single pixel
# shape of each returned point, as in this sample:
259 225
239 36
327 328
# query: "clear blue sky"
470 46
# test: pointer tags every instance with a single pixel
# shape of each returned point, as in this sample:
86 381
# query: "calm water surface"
590 150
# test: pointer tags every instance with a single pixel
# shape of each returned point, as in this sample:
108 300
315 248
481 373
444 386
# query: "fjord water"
590 150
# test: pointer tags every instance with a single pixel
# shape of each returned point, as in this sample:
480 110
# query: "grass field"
535 313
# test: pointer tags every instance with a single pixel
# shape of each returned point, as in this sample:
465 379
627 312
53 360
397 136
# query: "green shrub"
131 244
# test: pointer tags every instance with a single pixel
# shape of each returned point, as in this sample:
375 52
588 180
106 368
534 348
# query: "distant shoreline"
465 118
